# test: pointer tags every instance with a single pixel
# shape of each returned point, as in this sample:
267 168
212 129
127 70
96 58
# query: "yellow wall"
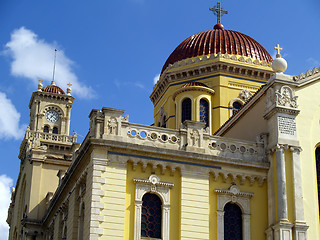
227 87
175 194
308 129
258 206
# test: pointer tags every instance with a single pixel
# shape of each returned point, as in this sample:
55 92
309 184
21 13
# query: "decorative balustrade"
30 135
191 137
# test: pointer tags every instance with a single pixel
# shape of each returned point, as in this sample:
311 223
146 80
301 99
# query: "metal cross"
69 84
40 81
219 11
278 48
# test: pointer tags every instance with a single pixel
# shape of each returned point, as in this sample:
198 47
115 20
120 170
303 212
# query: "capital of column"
220 213
295 149
138 203
278 147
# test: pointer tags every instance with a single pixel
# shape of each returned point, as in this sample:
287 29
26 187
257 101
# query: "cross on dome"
219 11
278 48
69 84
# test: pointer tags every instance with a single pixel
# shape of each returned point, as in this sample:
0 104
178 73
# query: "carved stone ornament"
270 99
245 95
161 111
285 97
195 136
113 125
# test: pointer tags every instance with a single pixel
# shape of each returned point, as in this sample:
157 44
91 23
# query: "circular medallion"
52 116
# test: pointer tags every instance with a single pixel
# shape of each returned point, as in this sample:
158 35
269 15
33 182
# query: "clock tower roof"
53 88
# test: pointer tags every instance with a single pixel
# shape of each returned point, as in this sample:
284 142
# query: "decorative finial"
218 11
69 88
279 65
54 67
40 85
278 48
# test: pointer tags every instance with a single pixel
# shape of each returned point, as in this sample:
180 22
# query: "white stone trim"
242 199
162 189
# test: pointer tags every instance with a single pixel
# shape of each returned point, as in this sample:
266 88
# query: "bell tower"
50 109
45 154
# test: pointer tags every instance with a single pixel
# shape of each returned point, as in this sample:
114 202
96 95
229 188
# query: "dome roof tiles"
53 89
215 41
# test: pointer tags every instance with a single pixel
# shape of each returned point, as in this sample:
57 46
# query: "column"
281 184
300 227
67 126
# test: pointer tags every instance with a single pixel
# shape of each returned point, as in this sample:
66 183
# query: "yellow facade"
249 158
225 87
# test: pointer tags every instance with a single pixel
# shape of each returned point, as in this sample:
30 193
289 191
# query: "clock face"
52 116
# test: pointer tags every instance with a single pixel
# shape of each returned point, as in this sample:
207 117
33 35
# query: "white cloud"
313 62
32 58
156 79
128 84
5 198
9 119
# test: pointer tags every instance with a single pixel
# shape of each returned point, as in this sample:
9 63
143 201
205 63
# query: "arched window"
318 173
46 129
164 121
232 222
81 222
235 107
204 111
55 130
186 110
151 216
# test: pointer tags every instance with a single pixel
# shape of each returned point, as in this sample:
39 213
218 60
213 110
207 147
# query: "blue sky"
111 50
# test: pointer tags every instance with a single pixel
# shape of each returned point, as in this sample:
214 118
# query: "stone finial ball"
279 65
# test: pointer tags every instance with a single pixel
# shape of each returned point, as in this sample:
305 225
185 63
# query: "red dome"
53 89
215 41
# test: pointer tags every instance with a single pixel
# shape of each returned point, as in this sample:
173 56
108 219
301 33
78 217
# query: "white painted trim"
242 199
231 105
162 189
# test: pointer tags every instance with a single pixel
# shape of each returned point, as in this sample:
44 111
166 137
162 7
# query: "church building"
234 153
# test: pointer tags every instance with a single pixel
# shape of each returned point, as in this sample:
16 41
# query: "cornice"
52 96
224 63
307 75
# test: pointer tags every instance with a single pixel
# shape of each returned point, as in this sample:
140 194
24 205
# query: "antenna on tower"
54 67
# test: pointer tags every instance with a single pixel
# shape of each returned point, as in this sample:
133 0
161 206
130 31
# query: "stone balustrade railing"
191 137
50 137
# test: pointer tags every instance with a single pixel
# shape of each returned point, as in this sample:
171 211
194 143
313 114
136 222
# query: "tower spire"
54 67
